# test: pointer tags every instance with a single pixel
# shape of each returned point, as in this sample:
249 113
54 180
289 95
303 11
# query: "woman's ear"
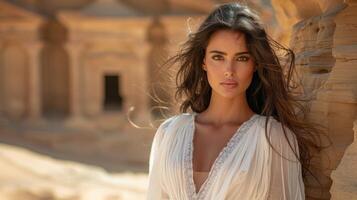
204 64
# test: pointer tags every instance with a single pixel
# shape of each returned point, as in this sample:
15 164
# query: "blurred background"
83 89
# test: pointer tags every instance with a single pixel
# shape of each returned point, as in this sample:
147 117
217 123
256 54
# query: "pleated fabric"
247 168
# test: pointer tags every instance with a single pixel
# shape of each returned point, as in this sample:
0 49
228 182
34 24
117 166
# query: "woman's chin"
229 94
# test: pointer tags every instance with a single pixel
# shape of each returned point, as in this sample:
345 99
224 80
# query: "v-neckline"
225 151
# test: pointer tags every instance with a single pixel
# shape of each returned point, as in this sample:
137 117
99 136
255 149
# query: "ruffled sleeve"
155 191
286 181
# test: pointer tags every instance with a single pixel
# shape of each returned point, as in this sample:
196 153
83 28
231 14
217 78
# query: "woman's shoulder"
276 130
176 119
269 122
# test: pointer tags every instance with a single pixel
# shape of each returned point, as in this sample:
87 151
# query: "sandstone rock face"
336 101
339 95
345 176
324 41
286 14
312 42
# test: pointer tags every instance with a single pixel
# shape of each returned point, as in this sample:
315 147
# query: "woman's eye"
217 57
243 58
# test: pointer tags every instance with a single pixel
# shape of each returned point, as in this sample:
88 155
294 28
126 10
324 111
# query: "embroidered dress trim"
188 167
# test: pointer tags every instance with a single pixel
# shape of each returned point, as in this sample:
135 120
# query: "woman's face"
228 64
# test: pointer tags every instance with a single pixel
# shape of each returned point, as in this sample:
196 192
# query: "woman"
243 140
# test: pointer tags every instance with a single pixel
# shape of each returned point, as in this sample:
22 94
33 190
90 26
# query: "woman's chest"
207 144
201 148
226 157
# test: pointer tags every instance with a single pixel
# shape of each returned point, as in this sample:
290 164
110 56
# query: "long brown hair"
272 92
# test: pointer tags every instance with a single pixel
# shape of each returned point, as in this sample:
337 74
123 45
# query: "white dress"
246 168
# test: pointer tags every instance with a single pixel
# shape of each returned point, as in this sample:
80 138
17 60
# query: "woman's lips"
229 84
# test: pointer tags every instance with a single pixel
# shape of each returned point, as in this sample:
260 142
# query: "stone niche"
19 68
54 71
107 50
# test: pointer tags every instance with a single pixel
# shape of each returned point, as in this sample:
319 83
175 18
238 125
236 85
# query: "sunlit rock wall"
324 41
335 103
345 176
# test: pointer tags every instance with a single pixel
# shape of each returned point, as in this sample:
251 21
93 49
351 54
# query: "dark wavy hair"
272 92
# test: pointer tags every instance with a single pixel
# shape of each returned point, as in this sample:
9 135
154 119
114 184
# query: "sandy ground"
26 175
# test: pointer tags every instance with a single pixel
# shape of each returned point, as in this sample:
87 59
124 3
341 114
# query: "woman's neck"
222 110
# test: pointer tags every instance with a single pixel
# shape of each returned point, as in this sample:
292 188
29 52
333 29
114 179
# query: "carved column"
34 84
74 51
1 82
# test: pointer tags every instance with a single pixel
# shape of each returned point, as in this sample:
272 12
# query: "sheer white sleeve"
285 179
155 191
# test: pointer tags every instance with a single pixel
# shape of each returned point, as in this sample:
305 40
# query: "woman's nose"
228 69
228 74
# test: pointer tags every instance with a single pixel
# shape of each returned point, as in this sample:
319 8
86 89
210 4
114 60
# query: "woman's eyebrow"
220 52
